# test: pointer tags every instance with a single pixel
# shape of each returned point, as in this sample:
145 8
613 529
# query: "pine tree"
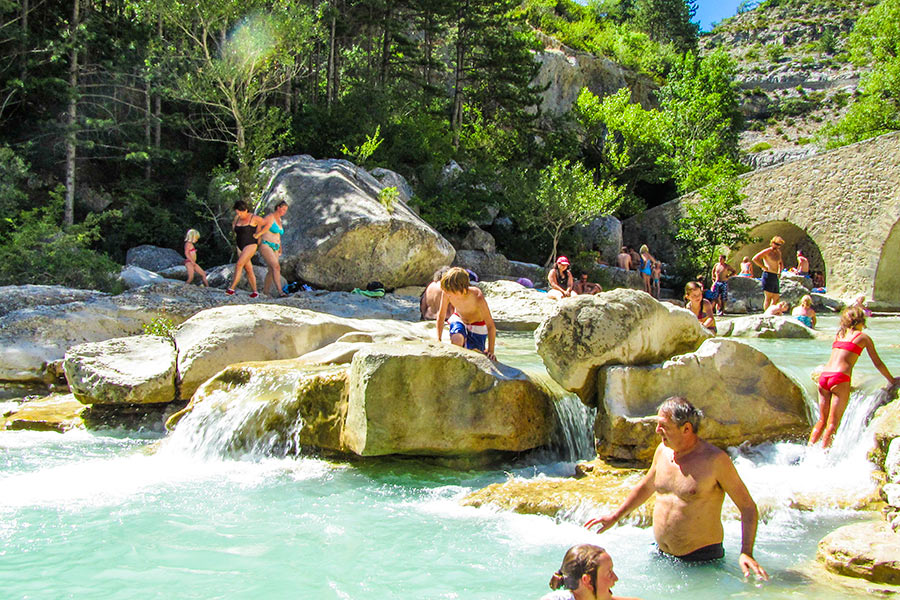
669 21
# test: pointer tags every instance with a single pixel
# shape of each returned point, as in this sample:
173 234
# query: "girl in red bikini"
834 382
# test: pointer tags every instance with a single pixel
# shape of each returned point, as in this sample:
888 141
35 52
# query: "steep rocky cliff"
794 72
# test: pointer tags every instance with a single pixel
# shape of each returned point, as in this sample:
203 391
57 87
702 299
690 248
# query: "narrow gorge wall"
841 207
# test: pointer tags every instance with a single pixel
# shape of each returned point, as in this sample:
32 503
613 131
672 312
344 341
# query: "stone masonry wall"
847 201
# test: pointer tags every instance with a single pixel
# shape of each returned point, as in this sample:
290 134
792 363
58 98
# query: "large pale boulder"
33 340
515 307
603 235
153 258
133 370
134 277
869 550
16 297
268 408
885 426
339 235
743 396
485 265
424 398
614 277
623 326
762 326
213 339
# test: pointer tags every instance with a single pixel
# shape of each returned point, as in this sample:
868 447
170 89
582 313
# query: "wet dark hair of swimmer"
581 559
681 411
241 205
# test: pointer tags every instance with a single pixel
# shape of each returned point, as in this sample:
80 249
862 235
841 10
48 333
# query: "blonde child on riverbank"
190 257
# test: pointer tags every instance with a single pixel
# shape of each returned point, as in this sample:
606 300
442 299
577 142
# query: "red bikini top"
849 346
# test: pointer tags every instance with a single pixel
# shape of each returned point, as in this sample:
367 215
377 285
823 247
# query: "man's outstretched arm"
637 496
733 485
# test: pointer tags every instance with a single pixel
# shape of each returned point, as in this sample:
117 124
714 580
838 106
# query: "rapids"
100 515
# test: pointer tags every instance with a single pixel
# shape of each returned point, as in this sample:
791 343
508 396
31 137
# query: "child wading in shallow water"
190 257
586 574
471 324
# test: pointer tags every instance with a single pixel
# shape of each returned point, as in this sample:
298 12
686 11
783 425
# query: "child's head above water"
456 280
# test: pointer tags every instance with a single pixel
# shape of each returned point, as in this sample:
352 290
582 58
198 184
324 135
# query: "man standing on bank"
690 477
769 260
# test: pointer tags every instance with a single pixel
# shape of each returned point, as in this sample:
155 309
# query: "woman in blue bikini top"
269 232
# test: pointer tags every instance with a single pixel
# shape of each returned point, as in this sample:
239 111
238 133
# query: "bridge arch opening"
795 239
887 274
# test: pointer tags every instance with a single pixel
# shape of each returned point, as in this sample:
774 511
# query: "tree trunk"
457 107
329 85
385 47
148 128
23 57
72 116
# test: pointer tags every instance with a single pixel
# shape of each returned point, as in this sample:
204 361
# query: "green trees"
230 59
876 40
714 221
669 21
567 196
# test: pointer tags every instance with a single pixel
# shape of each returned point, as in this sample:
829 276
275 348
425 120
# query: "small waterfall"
256 417
573 439
575 434
852 438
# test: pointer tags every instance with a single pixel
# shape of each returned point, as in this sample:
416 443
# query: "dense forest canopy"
126 122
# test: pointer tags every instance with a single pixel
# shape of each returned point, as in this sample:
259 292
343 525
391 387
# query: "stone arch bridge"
841 207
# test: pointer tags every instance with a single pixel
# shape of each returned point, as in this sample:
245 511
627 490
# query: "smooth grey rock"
389 178
425 398
743 396
153 258
762 326
135 277
623 326
486 266
132 370
16 297
603 234
338 235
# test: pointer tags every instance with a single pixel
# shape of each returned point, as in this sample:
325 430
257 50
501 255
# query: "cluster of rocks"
871 550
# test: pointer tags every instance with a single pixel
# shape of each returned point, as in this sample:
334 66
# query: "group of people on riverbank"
253 234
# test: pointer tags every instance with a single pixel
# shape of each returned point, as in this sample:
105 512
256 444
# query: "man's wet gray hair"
681 411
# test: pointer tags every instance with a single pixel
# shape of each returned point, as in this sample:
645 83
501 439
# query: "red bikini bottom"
829 379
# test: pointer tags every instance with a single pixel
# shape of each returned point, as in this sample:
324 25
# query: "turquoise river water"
103 516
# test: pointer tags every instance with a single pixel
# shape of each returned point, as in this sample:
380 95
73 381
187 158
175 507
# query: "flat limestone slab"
59 412
869 550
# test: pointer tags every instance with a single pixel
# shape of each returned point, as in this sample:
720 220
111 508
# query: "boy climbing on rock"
471 324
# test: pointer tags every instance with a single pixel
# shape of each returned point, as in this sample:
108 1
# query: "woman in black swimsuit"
244 227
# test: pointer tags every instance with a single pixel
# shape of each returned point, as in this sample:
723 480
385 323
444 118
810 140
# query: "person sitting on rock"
635 259
690 478
561 280
802 267
746 268
623 259
805 313
471 325
586 573
700 306
583 286
430 300
778 309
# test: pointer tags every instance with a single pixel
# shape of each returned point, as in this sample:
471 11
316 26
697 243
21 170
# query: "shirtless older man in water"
690 477
771 263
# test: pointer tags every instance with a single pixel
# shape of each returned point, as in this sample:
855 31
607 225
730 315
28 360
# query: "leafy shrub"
38 251
802 141
160 326
775 52
760 147
387 196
